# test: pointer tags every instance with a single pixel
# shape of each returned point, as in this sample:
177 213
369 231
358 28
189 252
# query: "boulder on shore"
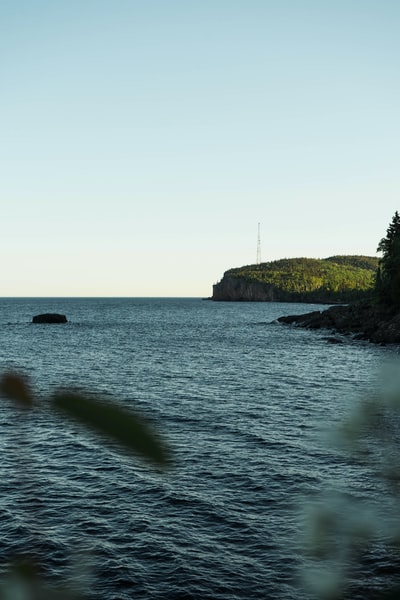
49 318
372 322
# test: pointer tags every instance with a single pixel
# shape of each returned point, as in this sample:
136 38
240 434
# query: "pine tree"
388 277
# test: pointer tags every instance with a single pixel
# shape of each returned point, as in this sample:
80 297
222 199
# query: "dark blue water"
242 402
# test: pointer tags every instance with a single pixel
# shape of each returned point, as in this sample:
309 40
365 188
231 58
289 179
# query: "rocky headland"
237 289
376 323
333 280
365 289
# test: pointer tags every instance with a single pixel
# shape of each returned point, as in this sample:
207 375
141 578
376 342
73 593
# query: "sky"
142 141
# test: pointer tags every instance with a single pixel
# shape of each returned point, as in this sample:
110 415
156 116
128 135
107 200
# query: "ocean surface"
249 408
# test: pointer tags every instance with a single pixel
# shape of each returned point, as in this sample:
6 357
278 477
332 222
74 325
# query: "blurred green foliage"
106 419
94 414
113 422
347 526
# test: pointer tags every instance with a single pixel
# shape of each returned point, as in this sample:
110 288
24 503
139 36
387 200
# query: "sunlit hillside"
333 279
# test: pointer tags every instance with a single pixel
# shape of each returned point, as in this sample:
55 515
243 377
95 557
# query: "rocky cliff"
237 289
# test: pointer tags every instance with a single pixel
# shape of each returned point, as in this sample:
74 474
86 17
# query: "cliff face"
237 289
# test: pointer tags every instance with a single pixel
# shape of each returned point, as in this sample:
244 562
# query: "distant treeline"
333 279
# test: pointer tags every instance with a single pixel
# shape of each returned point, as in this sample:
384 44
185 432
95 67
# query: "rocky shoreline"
373 322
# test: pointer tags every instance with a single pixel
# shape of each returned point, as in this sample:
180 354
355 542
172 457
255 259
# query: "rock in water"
49 318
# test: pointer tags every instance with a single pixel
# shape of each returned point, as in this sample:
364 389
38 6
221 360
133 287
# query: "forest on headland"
332 280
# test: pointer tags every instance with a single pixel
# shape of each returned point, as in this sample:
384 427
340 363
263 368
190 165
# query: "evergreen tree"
388 276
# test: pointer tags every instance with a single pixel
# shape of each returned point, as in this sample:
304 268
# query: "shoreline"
372 322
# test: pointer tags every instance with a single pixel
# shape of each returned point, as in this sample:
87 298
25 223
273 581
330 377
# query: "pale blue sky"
143 140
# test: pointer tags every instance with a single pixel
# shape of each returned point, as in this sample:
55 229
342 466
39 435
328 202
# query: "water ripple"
241 402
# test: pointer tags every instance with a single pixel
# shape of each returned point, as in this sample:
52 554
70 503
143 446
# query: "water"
241 401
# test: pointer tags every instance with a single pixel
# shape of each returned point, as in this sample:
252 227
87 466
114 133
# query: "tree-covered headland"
337 279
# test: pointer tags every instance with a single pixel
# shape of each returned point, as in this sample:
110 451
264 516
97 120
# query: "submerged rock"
49 318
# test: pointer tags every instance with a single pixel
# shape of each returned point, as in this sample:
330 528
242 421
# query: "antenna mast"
258 246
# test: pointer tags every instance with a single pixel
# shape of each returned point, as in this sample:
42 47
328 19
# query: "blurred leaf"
24 581
115 422
15 387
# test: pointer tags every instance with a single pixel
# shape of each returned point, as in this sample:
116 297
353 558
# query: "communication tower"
258 246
